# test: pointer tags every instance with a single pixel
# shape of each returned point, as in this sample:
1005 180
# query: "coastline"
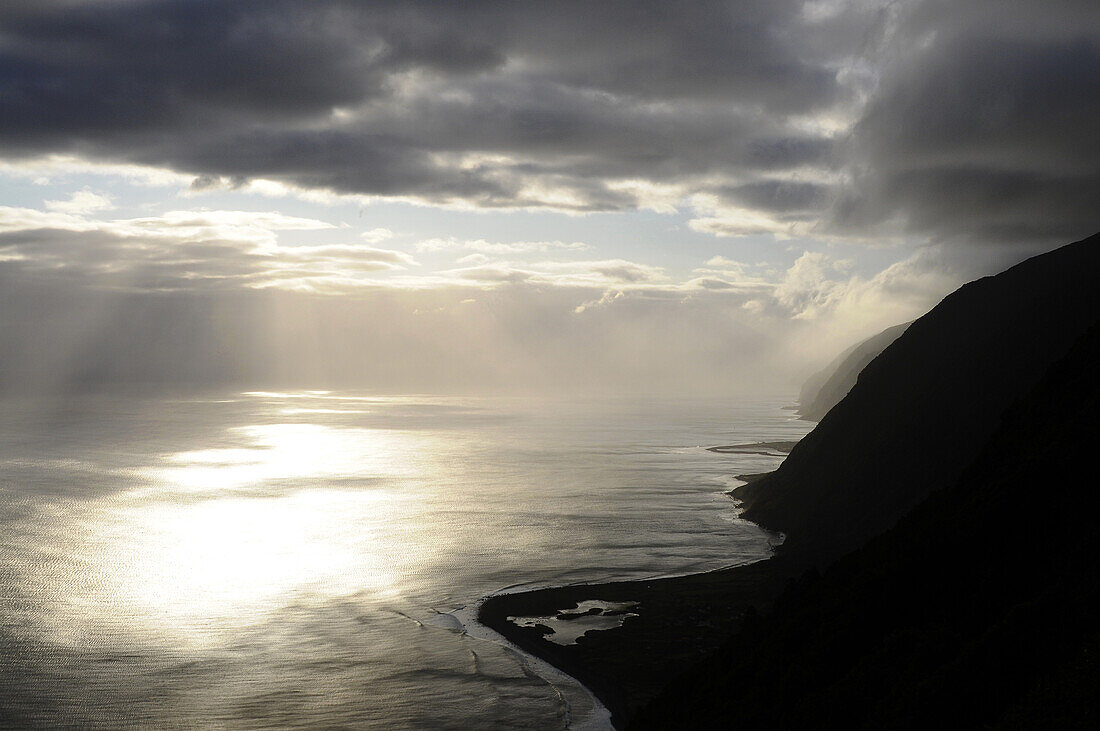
681 620
568 688
951 449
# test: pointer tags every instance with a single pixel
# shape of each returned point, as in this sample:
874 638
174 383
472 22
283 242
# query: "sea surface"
309 559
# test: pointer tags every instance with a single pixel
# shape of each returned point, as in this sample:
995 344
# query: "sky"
642 197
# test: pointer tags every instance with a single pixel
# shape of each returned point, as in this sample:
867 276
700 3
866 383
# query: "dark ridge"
981 608
824 390
920 412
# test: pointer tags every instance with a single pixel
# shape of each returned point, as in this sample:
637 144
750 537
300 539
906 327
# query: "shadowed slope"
918 415
824 390
921 410
975 610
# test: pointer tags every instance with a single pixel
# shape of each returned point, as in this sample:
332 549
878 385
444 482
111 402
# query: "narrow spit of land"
680 619
767 449
921 413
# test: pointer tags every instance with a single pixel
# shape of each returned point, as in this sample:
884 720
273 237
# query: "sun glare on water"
225 560
218 538
283 452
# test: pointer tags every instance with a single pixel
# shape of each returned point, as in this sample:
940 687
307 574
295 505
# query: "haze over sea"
294 559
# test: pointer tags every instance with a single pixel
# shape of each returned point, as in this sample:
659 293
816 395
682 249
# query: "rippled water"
282 560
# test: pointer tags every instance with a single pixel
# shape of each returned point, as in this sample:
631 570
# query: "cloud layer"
820 123
180 250
772 116
491 104
982 124
211 299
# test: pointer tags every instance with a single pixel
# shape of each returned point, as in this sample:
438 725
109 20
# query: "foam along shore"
583 710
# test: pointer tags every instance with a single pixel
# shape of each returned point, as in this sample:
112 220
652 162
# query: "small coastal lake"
269 560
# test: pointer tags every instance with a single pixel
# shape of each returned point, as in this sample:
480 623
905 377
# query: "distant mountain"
980 609
824 389
921 410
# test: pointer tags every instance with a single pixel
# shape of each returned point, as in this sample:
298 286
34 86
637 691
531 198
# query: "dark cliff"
980 609
825 389
922 409
977 590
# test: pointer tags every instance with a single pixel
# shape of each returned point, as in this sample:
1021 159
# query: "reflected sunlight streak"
287 452
218 538
227 560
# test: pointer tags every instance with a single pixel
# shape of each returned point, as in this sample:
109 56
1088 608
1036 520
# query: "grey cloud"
780 195
991 100
622 271
577 93
971 120
495 274
549 134
568 274
106 260
740 50
151 64
711 283
787 152
986 129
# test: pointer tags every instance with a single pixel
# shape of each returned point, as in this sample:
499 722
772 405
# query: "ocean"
313 558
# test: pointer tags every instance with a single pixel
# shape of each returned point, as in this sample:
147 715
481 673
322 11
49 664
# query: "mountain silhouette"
824 389
980 609
962 415
923 408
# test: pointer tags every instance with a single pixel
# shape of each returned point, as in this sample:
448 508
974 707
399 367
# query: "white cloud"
245 226
376 235
809 286
746 223
80 203
840 309
473 259
722 273
606 299
187 250
47 169
341 252
598 273
723 220
753 306
723 262
498 248
22 219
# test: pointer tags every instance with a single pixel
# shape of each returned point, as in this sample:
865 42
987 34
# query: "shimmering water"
276 560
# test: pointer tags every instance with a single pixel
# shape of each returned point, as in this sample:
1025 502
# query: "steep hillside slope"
922 409
919 414
980 609
824 390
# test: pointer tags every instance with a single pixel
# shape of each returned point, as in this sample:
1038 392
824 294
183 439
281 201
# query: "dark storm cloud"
573 93
984 125
779 195
956 119
736 50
